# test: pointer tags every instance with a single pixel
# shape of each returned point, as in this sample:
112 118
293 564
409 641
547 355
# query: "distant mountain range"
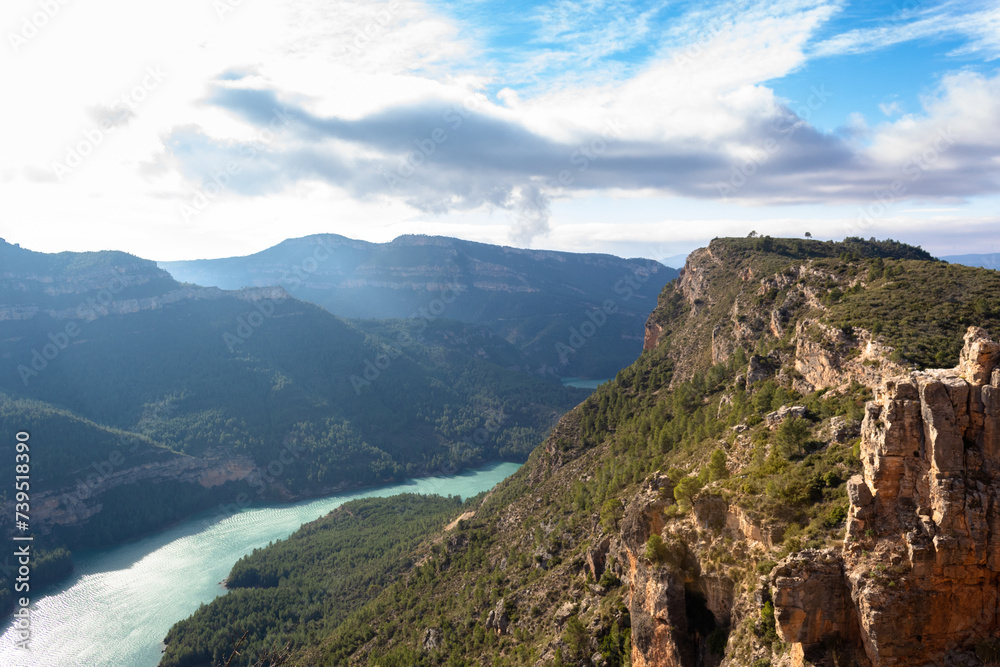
147 399
579 315
675 261
985 261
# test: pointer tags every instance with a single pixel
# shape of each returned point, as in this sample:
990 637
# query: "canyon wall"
916 582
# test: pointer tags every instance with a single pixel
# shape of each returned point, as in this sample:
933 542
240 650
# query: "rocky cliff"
73 507
917 579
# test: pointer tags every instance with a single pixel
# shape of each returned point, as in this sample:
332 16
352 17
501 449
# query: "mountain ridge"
535 299
661 521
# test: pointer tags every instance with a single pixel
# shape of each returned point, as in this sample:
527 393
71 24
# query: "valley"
723 500
713 504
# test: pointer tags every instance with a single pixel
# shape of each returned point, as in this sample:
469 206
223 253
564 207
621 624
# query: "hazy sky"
207 128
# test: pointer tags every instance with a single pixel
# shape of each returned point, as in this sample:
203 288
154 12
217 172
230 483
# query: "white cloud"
369 80
890 108
978 22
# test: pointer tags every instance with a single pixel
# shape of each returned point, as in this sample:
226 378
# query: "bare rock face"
774 419
432 639
921 560
694 278
659 617
497 619
652 336
596 558
656 600
760 368
843 429
829 357
979 356
810 601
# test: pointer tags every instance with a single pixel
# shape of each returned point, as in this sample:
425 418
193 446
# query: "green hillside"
637 491
213 394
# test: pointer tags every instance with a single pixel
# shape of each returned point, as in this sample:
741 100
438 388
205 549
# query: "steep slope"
697 510
918 578
569 314
248 394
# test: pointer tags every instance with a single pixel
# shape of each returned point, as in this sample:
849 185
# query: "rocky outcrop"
828 357
739 522
921 559
498 620
843 429
74 506
694 279
774 419
597 558
659 619
673 604
810 599
652 335
760 368
432 639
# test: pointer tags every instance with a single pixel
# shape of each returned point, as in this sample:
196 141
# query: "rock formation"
917 580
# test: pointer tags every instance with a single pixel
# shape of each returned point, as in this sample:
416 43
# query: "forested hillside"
677 513
149 400
300 588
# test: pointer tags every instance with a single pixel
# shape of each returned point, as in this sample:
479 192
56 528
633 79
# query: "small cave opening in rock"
704 631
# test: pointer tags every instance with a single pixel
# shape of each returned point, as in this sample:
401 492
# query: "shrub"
576 638
765 566
717 466
656 550
768 631
791 436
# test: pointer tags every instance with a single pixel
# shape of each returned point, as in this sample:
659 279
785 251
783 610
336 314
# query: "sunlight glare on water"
121 602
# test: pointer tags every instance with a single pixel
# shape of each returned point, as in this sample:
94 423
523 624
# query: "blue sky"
625 127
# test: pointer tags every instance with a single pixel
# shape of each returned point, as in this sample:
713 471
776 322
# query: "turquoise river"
120 602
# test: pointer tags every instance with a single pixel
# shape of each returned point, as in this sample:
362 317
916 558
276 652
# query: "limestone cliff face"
652 336
829 357
730 310
660 633
674 603
918 579
75 506
92 309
